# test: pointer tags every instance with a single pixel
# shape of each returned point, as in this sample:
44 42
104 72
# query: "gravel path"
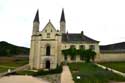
21 79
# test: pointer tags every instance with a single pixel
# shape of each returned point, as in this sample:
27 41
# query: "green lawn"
120 66
14 63
4 66
4 69
90 73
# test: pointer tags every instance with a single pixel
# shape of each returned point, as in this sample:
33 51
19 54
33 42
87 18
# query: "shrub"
53 71
40 72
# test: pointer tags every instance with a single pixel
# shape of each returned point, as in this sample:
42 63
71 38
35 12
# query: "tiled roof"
117 47
71 37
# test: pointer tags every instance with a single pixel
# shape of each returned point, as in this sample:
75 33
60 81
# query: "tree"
72 51
65 52
81 52
93 54
89 54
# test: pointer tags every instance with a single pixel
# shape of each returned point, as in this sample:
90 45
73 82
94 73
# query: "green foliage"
90 73
7 49
72 52
87 54
65 52
53 71
40 72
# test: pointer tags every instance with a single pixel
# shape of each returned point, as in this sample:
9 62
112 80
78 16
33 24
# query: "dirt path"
66 76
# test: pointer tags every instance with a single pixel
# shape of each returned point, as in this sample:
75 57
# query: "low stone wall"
17 69
108 57
112 70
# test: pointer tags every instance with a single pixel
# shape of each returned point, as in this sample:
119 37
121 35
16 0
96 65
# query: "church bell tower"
62 22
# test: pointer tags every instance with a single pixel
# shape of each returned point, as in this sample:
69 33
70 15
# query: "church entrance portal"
47 64
48 51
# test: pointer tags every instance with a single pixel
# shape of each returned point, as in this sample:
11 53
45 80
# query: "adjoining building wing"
73 37
113 48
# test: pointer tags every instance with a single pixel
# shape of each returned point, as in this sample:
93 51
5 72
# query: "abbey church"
47 45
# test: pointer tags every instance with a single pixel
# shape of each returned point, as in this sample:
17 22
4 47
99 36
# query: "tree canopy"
7 49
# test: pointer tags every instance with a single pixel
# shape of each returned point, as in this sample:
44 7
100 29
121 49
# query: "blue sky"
103 20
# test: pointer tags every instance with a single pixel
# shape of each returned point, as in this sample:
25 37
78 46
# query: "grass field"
120 66
3 69
14 63
90 73
11 64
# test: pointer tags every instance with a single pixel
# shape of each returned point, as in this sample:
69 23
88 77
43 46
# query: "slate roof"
62 16
36 19
73 38
117 48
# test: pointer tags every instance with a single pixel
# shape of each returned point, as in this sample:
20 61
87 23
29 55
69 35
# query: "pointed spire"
36 19
62 16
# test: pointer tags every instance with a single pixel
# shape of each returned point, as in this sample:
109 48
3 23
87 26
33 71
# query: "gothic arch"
48 50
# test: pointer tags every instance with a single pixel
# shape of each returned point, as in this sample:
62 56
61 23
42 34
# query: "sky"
102 20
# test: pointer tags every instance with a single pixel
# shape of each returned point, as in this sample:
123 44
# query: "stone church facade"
47 45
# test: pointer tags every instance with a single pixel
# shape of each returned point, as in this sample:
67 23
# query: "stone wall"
108 57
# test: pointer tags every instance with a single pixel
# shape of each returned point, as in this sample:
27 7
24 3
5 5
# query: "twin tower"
36 23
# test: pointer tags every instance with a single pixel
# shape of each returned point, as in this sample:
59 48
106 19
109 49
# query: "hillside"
7 49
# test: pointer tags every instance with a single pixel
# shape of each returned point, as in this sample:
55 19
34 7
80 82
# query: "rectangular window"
72 46
81 58
82 47
65 58
92 47
73 57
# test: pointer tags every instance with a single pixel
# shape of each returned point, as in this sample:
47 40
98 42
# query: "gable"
49 28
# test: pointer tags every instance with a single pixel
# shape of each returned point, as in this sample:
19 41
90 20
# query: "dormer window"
48 35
